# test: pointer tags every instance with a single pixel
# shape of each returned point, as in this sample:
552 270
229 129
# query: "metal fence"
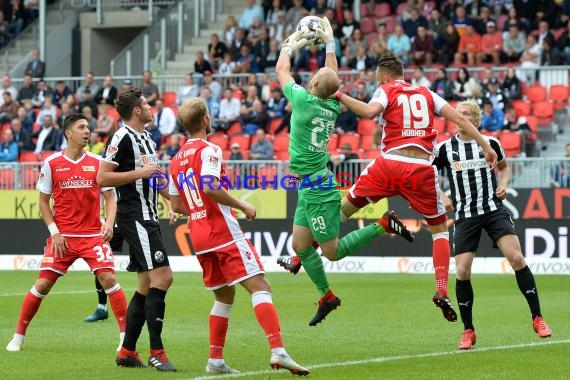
162 40
526 173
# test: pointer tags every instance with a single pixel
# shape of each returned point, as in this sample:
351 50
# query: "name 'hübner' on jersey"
472 181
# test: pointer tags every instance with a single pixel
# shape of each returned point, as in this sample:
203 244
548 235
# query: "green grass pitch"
386 328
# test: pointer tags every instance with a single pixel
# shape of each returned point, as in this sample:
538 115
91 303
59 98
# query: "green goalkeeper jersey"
312 124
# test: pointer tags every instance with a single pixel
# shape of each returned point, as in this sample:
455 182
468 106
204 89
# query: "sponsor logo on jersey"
150 159
88 168
47 259
214 161
198 215
57 170
77 182
469 164
159 256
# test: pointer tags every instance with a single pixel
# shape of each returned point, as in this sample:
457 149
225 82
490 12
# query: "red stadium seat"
501 21
29 157
273 125
46 154
234 128
439 124
333 142
536 93
511 142
382 10
350 138
558 32
367 25
226 155
532 122
367 142
7 179
283 155
400 8
559 95
242 140
366 127
364 10
220 140
169 99
391 23
544 111
281 142
522 107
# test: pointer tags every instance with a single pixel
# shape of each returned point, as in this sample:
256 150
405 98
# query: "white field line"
56 292
384 359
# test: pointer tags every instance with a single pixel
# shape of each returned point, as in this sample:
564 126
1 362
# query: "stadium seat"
364 10
29 157
7 179
370 154
273 125
532 122
544 111
558 33
366 127
522 107
400 8
234 128
536 93
333 142
501 21
370 37
242 140
46 154
391 23
283 155
220 139
226 155
29 176
382 10
367 25
169 99
281 142
367 142
511 142
439 124
559 95
350 138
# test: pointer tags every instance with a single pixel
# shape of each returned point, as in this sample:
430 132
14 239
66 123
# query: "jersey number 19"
415 110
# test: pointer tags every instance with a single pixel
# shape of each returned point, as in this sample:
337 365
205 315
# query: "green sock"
355 240
313 265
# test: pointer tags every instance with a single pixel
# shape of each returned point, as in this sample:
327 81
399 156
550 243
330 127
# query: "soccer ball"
308 25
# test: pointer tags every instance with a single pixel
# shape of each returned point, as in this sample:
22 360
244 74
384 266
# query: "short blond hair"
475 110
191 114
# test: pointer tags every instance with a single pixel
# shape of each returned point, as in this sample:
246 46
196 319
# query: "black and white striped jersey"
471 180
128 150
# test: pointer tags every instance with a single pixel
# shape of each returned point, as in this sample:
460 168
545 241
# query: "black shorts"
146 250
467 232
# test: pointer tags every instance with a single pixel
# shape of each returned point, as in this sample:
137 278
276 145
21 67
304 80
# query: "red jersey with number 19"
408 115
193 169
76 196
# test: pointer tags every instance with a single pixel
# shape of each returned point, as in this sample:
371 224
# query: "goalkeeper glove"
325 31
294 42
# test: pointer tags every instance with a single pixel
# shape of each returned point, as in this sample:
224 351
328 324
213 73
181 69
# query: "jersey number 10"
191 190
415 109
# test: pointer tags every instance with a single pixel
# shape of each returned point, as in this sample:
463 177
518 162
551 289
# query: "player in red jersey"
69 177
404 164
199 189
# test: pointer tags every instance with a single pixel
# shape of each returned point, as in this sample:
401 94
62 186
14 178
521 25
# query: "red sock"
441 253
219 321
267 317
30 307
119 305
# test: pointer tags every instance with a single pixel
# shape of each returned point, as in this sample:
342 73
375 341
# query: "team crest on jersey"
159 256
111 150
150 159
296 87
214 160
88 168
47 259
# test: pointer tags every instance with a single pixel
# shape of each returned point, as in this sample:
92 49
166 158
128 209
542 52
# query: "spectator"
61 93
262 149
213 84
95 144
544 32
88 102
43 91
355 42
7 86
488 74
276 105
480 24
19 17
212 103
247 61
187 90
90 84
550 55
4 30
423 48
216 50
361 93
406 12
460 21
492 118
442 85
449 45
474 9
470 48
9 109
295 14
66 110
492 45
230 107
9 149
381 37
310 59
47 136
530 58
272 12
269 61
512 123
278 31
172 147
201 65
346 121
88 113
235 47
514 19
254 32
495 95
564 42
227 66
235 154
230 30
560 172
347 27
48 109
108 93
512 85
164 119
262 46
361 60
436 26
21 136
419 78
28 89
36 67
256 119
464 87
399 44
412 24
513 44
320 8
149 89
26 118
249 13
127 84
105 125
426 7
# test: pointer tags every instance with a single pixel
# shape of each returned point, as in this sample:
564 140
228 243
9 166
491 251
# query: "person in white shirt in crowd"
47 136
108 93
227 66
43 91
48 109
419 78
530 58
230 108
90 84
213 84
188 90
7 87
252 11
164 119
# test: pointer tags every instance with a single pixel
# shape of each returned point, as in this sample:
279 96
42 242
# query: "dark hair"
391 63
126 101
70 120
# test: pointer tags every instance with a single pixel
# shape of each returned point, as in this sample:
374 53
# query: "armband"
53 230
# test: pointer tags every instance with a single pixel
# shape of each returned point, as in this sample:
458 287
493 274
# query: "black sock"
135 321
101 295
526 283
464 294
154 308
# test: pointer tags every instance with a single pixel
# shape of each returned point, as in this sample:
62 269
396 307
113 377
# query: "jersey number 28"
415 110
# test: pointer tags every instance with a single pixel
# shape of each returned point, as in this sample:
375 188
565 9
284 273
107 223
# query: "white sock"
279 351
216 362
102 307
19 337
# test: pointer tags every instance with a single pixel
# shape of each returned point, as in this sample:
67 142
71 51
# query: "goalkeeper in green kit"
317 215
